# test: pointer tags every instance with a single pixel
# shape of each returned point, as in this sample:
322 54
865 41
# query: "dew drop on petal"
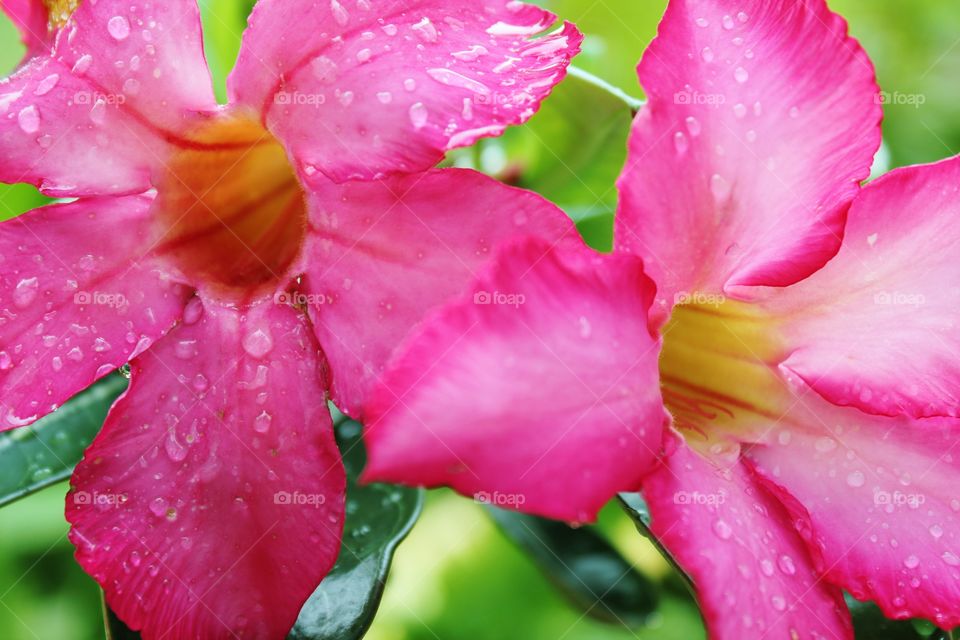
258 343
418 115
856 479
911 562
119 28
741 75
722 529
261 424
29 119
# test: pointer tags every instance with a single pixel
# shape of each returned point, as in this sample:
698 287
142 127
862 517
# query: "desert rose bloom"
799 336
243 259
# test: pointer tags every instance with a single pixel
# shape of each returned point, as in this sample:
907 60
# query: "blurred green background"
456 577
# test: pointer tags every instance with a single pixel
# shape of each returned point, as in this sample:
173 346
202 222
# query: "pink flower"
241 258
799 336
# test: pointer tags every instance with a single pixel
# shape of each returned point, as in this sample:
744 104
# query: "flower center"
718 373
231 212
59 12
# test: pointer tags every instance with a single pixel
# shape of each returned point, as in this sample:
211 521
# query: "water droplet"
200 382
766 567
727 23
707 54
740 110
911 562
703 23
722 529
364 55
936 531
786 565
82 64
951 559
719 187
418 115
29 119
193 311
339 13
825 444
740 75
261 424
778 602
324 69
742 17
46 85
426 30
585 328
856 479
258 343
25 292
119 28
693 126
680 142
385 97
98 114
158 507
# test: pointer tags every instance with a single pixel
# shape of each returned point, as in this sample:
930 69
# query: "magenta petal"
358 90
536 391
382 254
60 132
753 575
762 120
75 307
30 17
150 53
877 327
211 504
876 500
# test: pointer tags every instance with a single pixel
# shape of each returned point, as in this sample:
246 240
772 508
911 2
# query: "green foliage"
584 566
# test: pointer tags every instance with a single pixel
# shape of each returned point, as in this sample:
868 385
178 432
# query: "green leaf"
379 517
586 568
46 452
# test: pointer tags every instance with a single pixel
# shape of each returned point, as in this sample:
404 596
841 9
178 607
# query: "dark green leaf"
378 518
584 566
46 452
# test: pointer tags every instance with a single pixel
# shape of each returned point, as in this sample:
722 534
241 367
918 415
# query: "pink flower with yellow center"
244 259
771 355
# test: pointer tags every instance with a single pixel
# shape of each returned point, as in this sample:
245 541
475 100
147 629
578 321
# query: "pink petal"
30 17
62 133
211 504
149 53
358 90
382 254
875 498
761 123
877 327
753 575
72 306
537 391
